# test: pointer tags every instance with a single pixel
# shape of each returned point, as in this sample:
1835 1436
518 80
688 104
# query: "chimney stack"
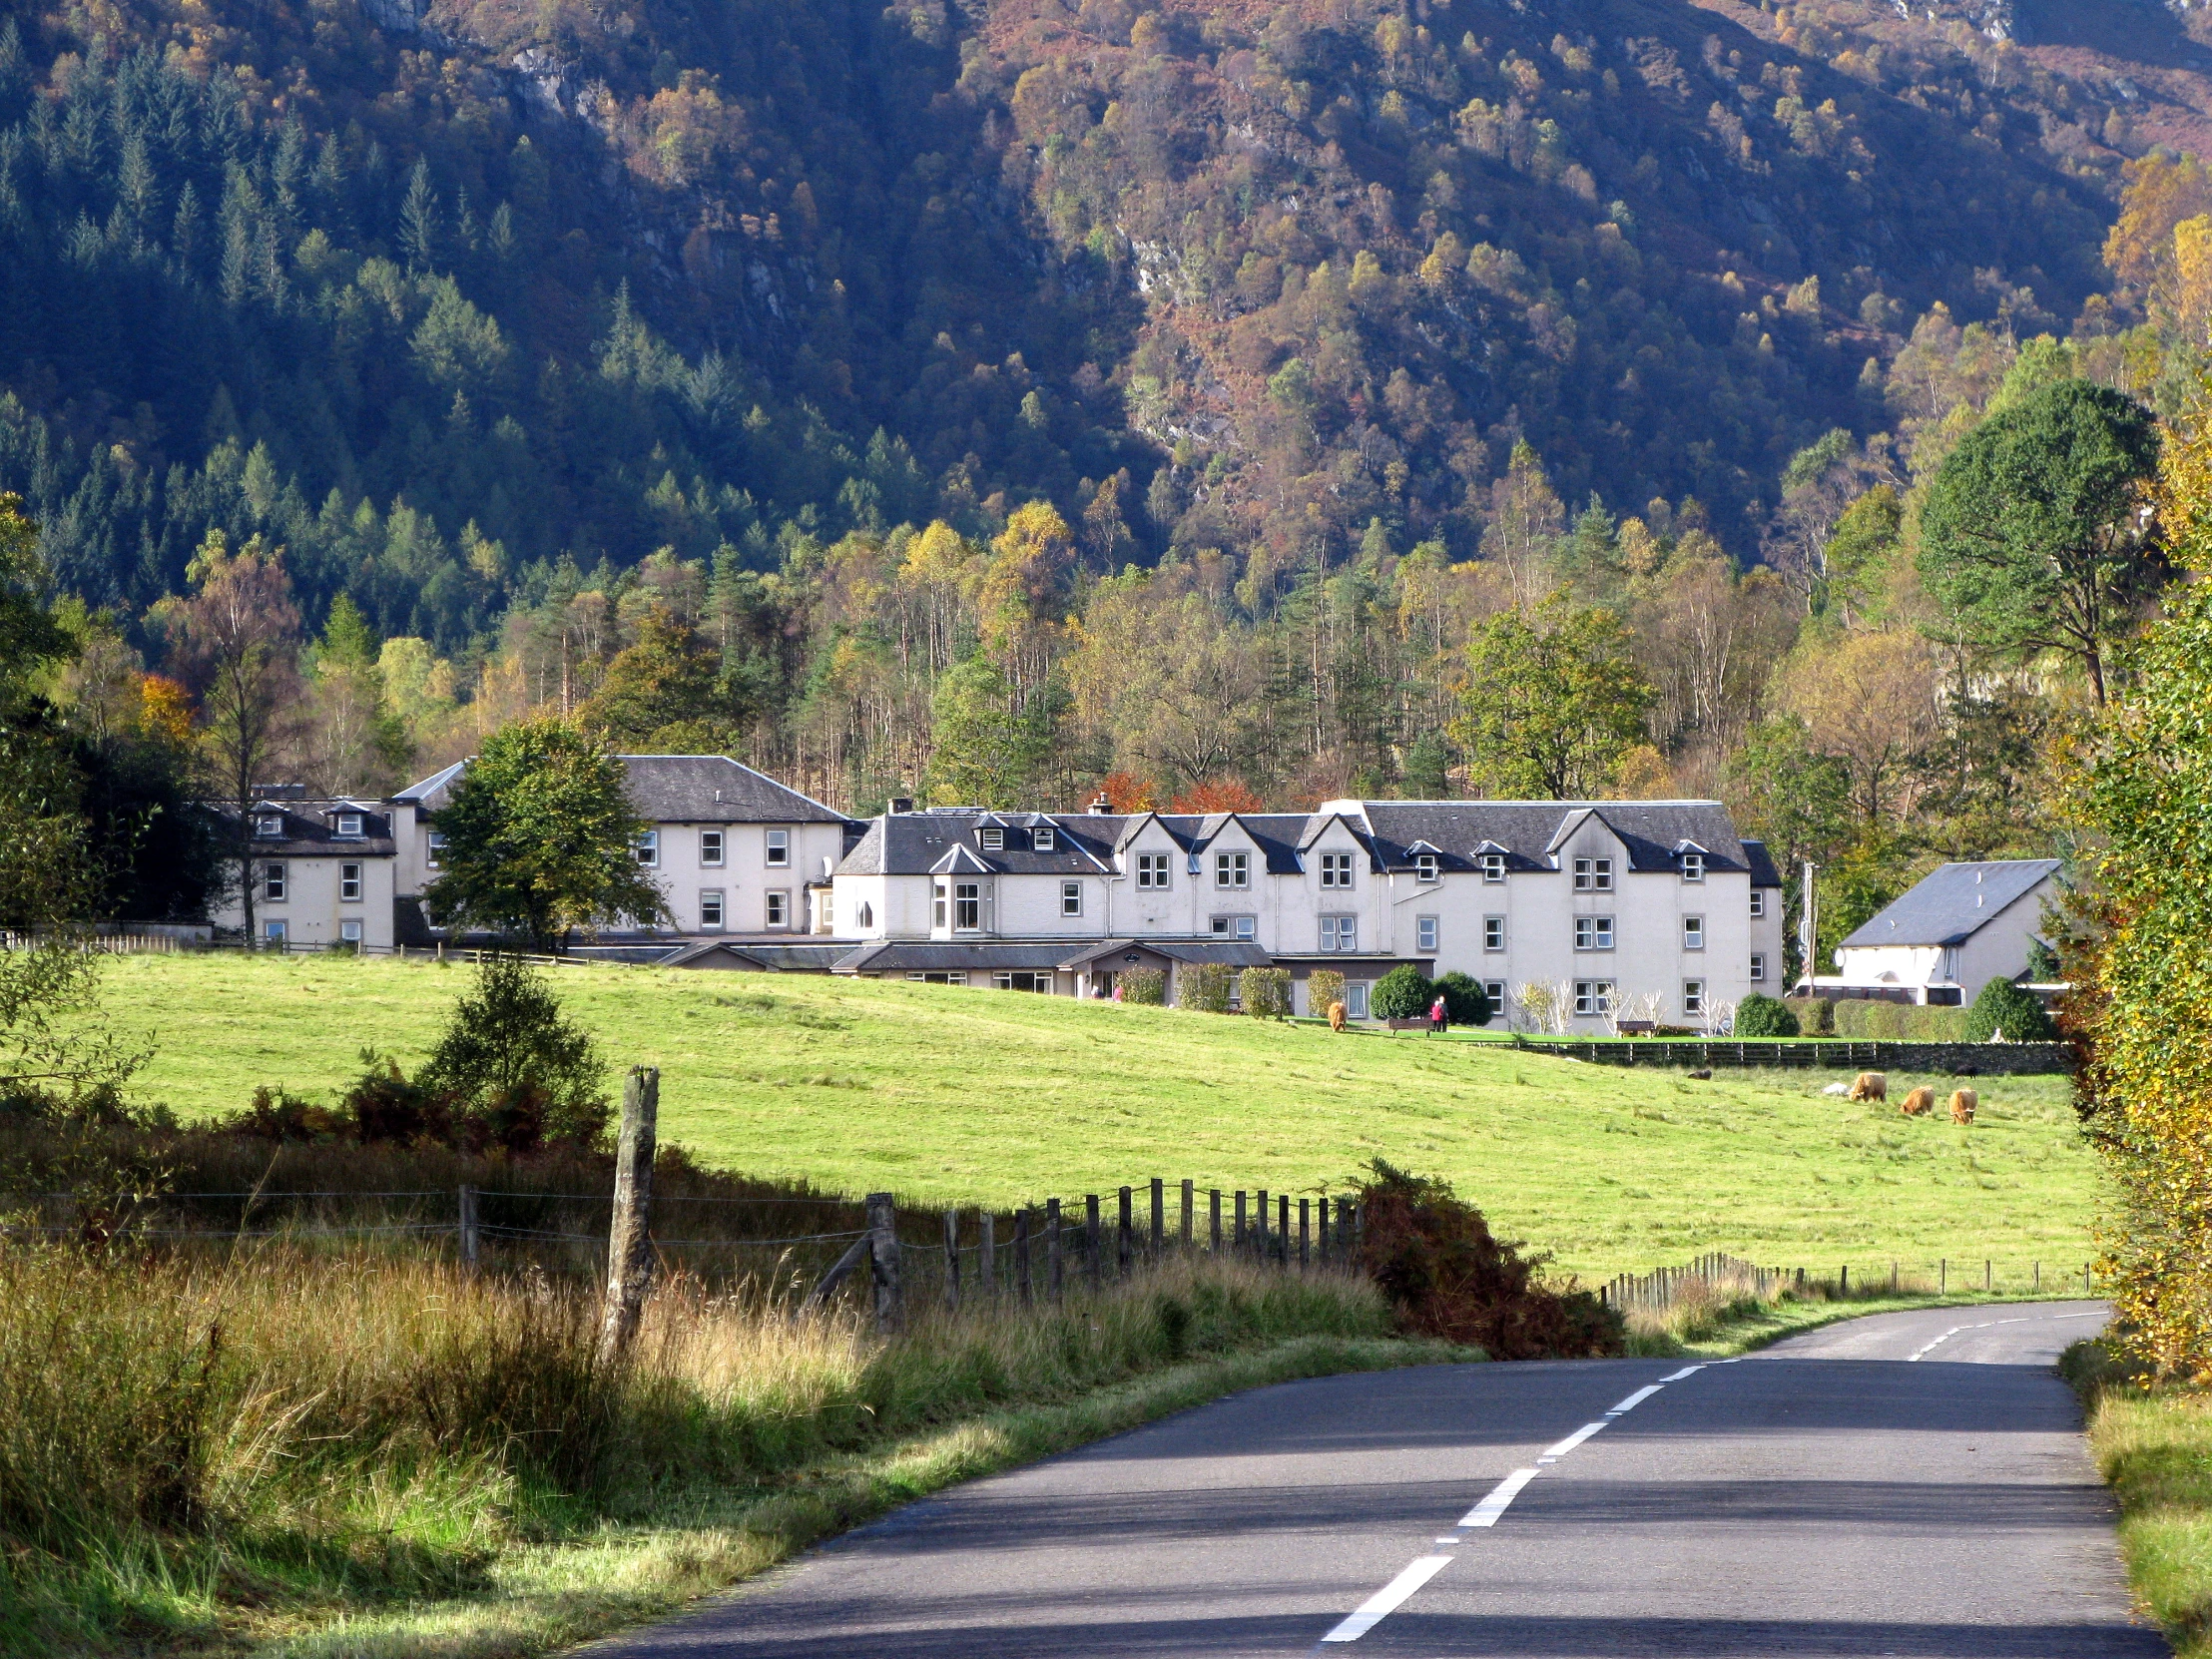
903 803
1102 805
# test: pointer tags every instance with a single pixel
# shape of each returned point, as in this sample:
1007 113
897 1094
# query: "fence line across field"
1717 1276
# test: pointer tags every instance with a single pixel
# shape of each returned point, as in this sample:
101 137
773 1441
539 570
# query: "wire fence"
1718 1276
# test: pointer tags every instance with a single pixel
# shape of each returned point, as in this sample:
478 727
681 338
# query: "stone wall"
1899 1059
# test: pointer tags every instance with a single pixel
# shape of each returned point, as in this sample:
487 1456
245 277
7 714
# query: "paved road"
1910 1484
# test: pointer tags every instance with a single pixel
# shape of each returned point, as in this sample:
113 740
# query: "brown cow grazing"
1918 1103
1871 1086
1335 1016
1963 1103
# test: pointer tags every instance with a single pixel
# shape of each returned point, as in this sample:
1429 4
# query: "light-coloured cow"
1871 1086
1918 1103
1963 1104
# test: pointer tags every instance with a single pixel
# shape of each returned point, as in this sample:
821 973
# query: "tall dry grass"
185 1434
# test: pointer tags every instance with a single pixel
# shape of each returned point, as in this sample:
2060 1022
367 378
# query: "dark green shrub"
2004 1009
515 1065
1147 987
1816 1015
1764 1016
1203 988
1465 1002
1403 993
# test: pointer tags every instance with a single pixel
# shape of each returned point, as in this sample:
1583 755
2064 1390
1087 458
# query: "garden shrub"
515 1065
1323 986
2003 1007
1147 987
1265 992
1763 1016
1445 1276
1403 993
1816 1015
1204 988
1899 1022
1465 1002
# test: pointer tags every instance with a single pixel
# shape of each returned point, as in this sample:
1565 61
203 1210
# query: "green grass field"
972 1095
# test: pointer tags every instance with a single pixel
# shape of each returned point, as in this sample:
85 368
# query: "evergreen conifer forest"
1213 400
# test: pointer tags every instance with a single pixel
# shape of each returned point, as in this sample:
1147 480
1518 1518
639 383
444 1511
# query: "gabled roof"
1531 833
675 788
1230 952
1954 903
309 827
933 842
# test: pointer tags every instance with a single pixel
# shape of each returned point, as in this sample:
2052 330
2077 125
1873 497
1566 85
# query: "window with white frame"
1071 898
939 978
1356 1001
275 882
648 845
1494 991
710 910
1693 867
1593 998
779 909
1425 933
826 911
1152 870
1593 932
434 851
1042 837
1693 1000
1493 932
269 827
940 917
968 906
276 932
1016 981
1232 869
1593 875
779 848
349 932
1758 967
994 839
1340 932
1493 866
1693 932
350 827
1424 867
1758 903
1235 927
349 883
710 848
1335 870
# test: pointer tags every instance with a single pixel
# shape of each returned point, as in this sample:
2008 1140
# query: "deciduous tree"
1551 701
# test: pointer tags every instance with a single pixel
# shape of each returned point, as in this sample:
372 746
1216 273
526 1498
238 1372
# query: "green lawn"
975 1095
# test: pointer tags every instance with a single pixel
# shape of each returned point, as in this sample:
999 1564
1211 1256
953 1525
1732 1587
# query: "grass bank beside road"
970 1095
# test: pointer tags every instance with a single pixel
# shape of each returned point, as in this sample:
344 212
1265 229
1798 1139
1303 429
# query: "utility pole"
1808 928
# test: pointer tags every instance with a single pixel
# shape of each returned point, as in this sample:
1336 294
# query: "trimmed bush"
1763 1016
1899 1022
2002 1008
1323 986
1265 992
1145 986
1204 988
1465 1002
1403 993
1816 1015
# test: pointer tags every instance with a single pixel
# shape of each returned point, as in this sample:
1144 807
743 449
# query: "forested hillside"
987 397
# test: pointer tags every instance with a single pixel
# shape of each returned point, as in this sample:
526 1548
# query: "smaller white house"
1960 928
321 872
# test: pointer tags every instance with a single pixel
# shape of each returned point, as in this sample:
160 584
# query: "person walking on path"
1436 1014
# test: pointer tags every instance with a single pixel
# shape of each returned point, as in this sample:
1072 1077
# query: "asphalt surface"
1830 1495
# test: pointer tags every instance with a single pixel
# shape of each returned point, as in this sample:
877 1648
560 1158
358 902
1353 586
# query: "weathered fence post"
1189 1193
469 1238
1090 1239
952 1261
1943 1275
891 1289
1323 1235
1283 1230
1843 1280
1260 1227
1052 1274
629 1241
1988 1276
1240 1238
1159 1217
1125 1248
1021 1255
1359 1233
987 1255
1305 1233
1212 1218
2037 1270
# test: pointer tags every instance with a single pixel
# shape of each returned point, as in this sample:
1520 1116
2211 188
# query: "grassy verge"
283 1452
968 1096
2154 1447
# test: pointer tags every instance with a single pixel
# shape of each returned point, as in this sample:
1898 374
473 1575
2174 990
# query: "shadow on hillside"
2134 31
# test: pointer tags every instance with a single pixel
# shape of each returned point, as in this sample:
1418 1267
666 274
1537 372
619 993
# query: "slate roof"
770 957
1232 952
1763 873
1943 909
309 829
943 956
1526 831
677 789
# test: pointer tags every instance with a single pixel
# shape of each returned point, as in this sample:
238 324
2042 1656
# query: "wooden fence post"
1212 1218
1323 1217
469 1238
1238 1243
952 1261
1283 1230
1260 1227
1021 1255
1159 1217
1305 1233
1126 1246
987 1254
629 1241
1189 1193
1359 1233
1988 1276
1090 1241
1053 1273
891 1289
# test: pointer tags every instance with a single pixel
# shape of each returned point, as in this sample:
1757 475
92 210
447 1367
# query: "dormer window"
269 825
349 825
1593 875
1693 867
1493 866
1042 837
994 840
1425 867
